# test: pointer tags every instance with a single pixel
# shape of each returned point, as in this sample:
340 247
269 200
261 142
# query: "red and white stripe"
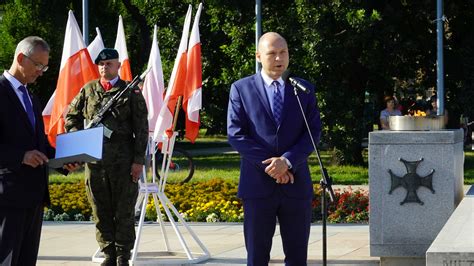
192 100
125 71
175 87
75 71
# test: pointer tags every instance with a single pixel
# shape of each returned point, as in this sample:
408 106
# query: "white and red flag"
75 71
94 49
192 97
96 45
176 86
154 85
125 71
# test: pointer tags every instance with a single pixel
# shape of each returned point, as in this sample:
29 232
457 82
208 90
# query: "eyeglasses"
37 65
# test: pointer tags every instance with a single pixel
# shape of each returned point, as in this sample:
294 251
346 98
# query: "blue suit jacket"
253 132
21 185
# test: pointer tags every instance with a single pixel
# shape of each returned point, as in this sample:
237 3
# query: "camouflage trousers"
112 195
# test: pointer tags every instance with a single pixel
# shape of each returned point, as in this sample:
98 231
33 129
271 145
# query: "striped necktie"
277 102
28 106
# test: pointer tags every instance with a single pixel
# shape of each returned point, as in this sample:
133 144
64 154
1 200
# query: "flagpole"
176 112
85 21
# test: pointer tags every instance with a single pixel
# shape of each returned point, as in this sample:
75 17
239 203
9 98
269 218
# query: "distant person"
390 110
398 105
24 153
433 110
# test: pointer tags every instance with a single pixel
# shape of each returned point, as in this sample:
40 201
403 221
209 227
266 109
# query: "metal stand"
157 190
325 182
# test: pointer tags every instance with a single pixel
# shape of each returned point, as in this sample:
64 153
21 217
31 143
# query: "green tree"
349 49
354 48
48 19
459 55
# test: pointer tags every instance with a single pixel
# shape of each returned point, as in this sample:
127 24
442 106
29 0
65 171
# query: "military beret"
106 54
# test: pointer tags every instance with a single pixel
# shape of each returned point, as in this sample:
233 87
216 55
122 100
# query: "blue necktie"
277 102
28 106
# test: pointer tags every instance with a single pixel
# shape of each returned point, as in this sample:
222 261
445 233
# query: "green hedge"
210 201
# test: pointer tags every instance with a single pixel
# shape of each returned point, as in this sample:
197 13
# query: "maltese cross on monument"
411 181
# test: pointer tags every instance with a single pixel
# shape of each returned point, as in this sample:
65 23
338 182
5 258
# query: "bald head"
269 37
272 52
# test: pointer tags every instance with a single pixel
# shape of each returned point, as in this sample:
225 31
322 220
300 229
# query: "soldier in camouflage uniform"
111 183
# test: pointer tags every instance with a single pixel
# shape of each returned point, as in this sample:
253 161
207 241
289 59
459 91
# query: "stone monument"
454 245
416 182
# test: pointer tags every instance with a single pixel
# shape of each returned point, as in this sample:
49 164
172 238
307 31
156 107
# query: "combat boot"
123 255
110 256
109 262
122 261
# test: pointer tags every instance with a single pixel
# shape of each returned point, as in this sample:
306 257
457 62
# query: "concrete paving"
73 243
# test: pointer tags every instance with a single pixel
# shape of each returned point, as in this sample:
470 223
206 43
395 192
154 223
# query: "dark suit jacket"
21 185
253 132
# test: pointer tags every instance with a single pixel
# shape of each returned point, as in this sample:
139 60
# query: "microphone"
288 77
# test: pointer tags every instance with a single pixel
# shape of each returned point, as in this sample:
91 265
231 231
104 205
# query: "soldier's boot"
110 256
123 255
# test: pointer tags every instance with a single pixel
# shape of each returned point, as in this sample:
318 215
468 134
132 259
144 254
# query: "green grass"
74 177
469 167
203 142
226 166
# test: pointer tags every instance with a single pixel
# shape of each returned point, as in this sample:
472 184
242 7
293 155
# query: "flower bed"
211 201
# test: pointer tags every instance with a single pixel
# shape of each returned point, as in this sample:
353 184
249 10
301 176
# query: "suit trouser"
20 231
113 194
294 218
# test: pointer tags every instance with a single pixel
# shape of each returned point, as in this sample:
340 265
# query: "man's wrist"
288 163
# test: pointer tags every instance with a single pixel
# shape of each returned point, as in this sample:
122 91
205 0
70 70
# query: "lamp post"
258 29
440 61
85 21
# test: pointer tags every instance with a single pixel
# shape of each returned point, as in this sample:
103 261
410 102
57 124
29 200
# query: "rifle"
107 107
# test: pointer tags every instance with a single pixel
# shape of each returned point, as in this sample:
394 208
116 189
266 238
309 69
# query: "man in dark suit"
265 125
24 153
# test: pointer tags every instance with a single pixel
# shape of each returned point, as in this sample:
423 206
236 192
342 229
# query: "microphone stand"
325 182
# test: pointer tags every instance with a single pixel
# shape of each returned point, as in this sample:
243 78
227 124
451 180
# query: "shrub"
70 199
48 215
349 206
209 201
61 217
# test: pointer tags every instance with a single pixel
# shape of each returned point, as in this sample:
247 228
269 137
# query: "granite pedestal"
454 245
410 205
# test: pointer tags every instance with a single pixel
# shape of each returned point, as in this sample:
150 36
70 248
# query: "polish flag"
96 45
154 85
163 129
75 71
125 72
94 49
192 97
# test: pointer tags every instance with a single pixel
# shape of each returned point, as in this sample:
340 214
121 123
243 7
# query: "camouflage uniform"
109 185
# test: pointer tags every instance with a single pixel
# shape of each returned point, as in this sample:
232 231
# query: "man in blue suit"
265 125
